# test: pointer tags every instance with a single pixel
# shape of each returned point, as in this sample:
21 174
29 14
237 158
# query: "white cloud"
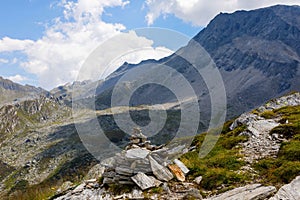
200 12
56 58
8 44
4 61
17 78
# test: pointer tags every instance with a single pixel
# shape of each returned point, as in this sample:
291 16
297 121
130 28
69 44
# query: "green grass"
220 166
269 114
284 168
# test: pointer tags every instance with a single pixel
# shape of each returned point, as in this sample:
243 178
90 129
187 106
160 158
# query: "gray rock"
124 171
249 192
290 191
137 153
161 172
143 181
156 182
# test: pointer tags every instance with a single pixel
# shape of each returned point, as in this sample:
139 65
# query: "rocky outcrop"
260 143
249 192
143 164
290 191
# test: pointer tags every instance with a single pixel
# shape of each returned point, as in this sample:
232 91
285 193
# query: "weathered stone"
137 153
160 172
249 192
79 188
156 182
182 166
290 191
177 172
198 180
143 181
124 171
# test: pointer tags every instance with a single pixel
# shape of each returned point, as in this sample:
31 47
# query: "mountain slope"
257 53
10 91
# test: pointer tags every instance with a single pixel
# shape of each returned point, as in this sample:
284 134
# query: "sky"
45 43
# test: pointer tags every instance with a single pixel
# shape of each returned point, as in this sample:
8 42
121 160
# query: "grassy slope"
221 168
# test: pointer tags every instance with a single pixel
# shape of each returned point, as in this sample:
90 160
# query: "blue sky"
45 42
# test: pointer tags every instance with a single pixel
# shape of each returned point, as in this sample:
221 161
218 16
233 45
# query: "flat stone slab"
143 181
137 153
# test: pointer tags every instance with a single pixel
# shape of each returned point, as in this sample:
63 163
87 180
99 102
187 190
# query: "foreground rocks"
289 192
143 164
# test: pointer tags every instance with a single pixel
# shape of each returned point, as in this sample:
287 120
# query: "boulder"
290 191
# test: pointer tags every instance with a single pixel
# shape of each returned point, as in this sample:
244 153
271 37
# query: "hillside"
10 91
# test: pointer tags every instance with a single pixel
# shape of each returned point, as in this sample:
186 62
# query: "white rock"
182 166
143 181
198 180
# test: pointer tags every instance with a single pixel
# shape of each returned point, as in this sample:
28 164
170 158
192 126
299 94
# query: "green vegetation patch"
220 166
286 166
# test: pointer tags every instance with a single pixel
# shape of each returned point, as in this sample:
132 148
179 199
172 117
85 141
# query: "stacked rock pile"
143 164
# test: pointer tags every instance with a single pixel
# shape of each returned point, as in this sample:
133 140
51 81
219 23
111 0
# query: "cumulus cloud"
17 78
4 61
8 44
200 12
57 57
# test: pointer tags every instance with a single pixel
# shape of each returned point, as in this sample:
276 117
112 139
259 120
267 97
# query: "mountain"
257 53
10 91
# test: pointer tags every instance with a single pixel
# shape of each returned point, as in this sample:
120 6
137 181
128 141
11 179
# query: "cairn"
142 164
